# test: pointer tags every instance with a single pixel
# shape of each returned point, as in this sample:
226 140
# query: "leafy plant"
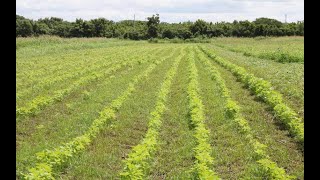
137 164
50 160
202 150
263 90
268 169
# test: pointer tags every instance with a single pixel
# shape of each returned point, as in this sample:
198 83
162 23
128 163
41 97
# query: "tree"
152 24
63 29
268 21
199 27
40 28
300 28
167 33
102 27
259 30
184 33
24 28
77 28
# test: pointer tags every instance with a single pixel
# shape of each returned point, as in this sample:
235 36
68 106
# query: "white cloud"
169 10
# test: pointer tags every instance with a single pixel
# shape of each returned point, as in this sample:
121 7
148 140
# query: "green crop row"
268 167
38 66
278 55
78 72
137 163
264 90
73 70
202 150
40 102
48 160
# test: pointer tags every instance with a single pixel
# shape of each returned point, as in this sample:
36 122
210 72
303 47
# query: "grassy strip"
264 90
268 167
40 102
279 56
49 160
201 134
137 164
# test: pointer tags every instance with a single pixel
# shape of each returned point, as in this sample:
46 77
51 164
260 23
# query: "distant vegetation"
153 28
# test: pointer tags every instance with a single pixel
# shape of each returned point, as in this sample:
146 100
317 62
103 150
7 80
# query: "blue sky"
169 10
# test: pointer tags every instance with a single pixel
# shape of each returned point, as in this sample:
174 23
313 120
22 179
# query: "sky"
168 10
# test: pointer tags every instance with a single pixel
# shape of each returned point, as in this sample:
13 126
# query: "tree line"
153 28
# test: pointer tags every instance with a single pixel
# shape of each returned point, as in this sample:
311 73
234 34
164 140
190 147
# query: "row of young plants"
43 60
264 90
137 164
278 55
37 74
40 102
203 163
80 71
49 161
233 111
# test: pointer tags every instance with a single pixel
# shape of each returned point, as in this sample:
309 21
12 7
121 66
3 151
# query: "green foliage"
232 108
176 40
268 169
263 90
40 28
53 159
167 33
199 27
274 171
152 28
137 164
24 28
152 24
204 160
41 171
153 40
291 53
39 103
280 56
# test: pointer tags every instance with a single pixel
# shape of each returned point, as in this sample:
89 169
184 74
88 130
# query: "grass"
231 154
42 61
283 49
282 149
114 143
175 156
288 78
70 117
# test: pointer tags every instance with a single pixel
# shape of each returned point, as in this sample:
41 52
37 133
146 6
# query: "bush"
176 40
153 40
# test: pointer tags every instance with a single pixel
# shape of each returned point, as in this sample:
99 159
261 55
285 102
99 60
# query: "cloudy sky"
169 10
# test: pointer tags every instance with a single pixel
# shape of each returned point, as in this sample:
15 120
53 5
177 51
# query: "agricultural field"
116 109
282 49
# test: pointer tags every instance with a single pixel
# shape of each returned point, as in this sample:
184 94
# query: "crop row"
48 160
137 163
38 64
233 111
78 72
278 55
40 102
264 90
202 150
